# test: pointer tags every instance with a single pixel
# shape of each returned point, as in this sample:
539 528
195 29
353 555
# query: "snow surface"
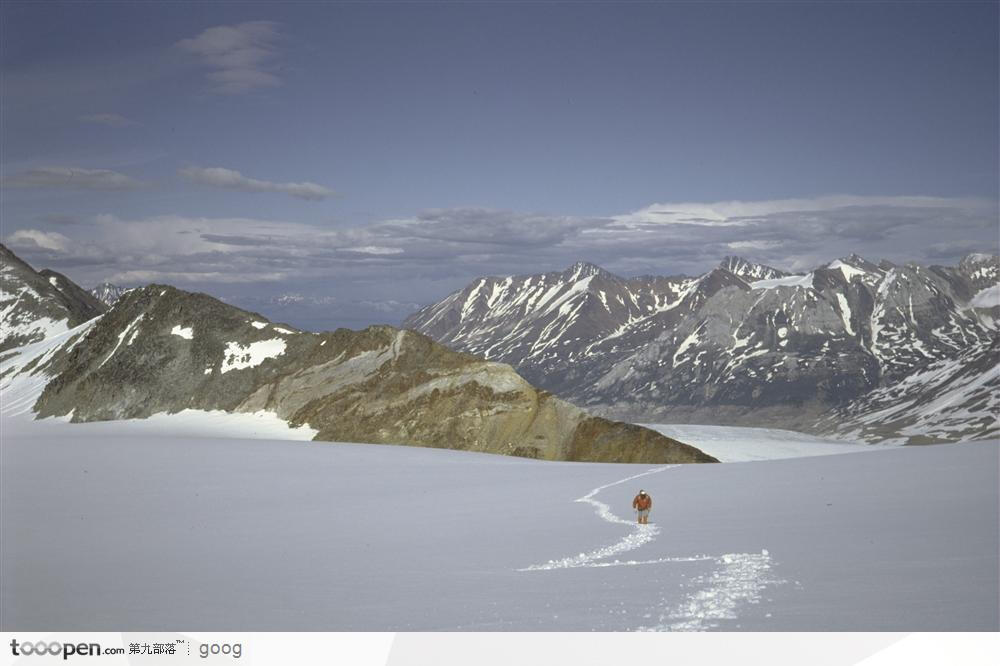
23 379
127 525
216 423
731 444
185 332
238 357
847 270
690 340
845 313
986 298
121 337
788 281
42 327
14 326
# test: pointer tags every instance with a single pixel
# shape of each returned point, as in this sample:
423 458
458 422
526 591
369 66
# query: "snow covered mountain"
744 343
161 349
35 305
107 293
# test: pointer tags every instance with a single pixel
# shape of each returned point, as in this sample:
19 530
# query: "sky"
342 164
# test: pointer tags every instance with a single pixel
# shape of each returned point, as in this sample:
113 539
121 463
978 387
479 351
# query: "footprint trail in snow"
640 536
738 579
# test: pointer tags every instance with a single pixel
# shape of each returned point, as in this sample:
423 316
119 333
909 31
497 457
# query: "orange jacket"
642 502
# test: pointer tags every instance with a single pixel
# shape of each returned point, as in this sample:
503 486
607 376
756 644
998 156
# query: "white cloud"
109 119
189 277
234 180
753 245
72 178
422 258
373 249
34 239
240 56
743 213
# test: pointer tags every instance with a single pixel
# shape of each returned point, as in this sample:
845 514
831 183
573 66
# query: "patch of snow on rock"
848 270
239 357
790 281
987 298
183 332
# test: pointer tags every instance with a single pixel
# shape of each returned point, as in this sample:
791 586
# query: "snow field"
733 444
248 534
238 356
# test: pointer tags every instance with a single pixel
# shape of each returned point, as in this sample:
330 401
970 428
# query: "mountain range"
859 349
829 350
161 349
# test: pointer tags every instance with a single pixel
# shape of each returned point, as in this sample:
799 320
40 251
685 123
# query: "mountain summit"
750 271
107 293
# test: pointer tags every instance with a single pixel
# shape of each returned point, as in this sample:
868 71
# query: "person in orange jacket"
643 503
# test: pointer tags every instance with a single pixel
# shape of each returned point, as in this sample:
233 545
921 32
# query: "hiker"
643 503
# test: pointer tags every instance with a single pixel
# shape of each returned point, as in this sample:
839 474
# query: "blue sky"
371 156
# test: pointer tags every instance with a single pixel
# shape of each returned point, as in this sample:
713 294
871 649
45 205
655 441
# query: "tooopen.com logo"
55 648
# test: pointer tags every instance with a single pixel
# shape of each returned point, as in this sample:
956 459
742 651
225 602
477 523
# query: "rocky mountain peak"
885 265
981 266
35 305
583 269
855 259
108 293
855 266
978 258
750 271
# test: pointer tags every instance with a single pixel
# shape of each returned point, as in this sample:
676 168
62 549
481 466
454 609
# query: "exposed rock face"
744 343
35 305
107 293
161 349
